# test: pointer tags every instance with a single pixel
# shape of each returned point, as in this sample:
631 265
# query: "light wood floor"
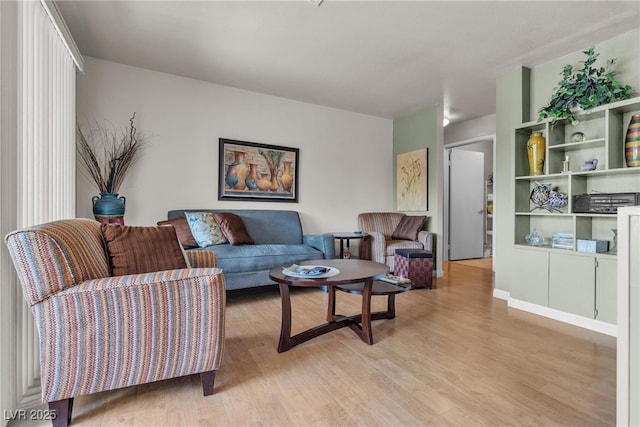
454 356
477 262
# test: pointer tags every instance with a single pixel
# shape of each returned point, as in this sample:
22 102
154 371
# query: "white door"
466 204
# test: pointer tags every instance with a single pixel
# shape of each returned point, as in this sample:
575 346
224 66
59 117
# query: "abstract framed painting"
252 171
411 181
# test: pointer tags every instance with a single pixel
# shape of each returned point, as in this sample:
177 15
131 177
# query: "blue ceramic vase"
108 205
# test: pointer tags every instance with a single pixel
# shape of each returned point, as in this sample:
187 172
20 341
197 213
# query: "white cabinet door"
607 290
572 284
530 280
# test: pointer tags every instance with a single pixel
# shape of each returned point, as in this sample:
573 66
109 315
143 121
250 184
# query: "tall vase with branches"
105 156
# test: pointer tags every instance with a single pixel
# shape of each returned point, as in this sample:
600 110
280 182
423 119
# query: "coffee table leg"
391 306
285 327
367 334
331 306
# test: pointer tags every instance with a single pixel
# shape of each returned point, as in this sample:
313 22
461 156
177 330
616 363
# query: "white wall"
345 158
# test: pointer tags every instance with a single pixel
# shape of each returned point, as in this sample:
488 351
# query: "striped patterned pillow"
134 250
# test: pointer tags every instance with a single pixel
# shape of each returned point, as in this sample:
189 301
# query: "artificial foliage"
106 154
585 88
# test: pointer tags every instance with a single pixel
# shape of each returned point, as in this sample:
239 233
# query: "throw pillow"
233 228
408 228
182 230
205 229
134 250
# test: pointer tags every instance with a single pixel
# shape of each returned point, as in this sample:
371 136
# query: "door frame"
446 149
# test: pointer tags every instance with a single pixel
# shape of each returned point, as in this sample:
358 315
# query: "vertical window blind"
44 174
47 155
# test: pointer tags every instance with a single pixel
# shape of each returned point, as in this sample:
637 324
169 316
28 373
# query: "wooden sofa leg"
207 378
62 410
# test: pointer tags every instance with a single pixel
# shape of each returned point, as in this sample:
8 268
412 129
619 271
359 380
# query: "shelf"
548 248
559 214
604 127
572 146
595 173
563 278
608 172
595 215
544 177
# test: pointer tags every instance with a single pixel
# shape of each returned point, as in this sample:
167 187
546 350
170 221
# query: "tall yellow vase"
535 149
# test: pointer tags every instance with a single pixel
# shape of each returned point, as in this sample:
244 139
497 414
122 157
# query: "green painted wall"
512 105
423 129
520 93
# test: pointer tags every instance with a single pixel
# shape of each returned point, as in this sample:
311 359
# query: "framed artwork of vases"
257 172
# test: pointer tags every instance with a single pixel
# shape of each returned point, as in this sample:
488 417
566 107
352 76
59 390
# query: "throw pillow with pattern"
205 229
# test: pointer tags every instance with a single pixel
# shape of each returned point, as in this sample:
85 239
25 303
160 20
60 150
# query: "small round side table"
342 236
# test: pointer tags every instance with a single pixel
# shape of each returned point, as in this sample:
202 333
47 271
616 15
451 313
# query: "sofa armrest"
374 247
322 242
426 238
131 330
199 258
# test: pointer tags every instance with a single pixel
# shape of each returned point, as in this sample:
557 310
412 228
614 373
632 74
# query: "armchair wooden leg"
207 378
62 410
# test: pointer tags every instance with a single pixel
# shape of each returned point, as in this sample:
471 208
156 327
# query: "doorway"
469 199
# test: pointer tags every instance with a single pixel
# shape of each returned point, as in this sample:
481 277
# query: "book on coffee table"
395 280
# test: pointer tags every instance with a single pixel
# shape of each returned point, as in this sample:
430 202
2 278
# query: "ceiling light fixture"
316 2
445 121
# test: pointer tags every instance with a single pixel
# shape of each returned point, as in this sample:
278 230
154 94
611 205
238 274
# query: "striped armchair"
102 333
379 246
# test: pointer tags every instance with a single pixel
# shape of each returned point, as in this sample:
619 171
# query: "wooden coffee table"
356 276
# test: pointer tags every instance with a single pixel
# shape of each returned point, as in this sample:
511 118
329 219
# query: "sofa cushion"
408 228
245 258
205 229
265 226
183 231
233 228
134 250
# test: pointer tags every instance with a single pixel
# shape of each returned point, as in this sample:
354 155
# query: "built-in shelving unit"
561 282
488 219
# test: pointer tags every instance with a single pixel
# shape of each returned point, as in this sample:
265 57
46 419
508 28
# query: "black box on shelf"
604 203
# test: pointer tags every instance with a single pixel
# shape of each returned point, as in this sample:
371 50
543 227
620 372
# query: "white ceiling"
384 58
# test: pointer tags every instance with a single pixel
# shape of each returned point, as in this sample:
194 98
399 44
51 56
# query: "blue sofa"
278 241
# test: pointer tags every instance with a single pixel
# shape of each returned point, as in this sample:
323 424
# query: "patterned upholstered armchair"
102 333
379 246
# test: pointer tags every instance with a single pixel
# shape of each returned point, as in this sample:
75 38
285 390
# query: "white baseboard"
572 319
500 294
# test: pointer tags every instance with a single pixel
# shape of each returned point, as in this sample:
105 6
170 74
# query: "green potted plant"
105 156
586 88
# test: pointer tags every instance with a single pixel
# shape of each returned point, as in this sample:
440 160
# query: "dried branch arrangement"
106 154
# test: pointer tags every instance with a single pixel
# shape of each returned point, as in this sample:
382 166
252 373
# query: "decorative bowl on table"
310 271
